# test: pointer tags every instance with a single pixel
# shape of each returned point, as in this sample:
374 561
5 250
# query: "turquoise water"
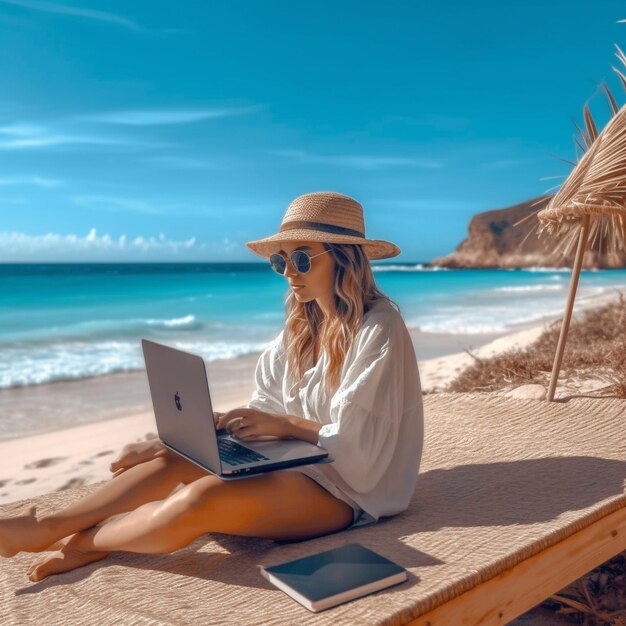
62 322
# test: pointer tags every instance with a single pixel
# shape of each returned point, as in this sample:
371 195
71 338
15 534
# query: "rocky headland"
507 238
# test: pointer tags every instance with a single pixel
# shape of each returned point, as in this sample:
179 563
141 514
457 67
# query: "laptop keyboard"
233 453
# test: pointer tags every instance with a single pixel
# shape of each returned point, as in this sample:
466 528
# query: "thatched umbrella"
591 203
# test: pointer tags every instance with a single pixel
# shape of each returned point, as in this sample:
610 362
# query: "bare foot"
67 558
22 533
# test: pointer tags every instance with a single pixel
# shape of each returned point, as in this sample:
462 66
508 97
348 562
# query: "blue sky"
177 131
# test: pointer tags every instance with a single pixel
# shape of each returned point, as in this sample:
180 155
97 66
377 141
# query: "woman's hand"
246 423
134 453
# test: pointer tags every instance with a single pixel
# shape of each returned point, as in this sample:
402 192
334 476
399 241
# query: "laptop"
184 418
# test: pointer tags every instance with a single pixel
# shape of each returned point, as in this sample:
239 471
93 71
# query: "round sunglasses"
300 261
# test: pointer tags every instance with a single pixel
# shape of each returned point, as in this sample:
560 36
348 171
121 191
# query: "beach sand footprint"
104 453
45 462
26 481
72 483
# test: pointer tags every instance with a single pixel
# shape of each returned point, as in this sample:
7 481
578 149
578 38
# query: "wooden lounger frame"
511 593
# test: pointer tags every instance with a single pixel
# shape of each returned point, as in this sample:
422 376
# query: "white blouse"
372 426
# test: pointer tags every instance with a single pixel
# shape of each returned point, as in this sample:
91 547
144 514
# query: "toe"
42 568
36 563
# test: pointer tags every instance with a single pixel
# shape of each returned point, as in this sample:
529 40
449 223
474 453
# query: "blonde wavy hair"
355 292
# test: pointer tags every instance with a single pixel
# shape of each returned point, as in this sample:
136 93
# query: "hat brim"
373 248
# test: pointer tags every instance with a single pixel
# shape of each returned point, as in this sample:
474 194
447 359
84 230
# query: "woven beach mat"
501 479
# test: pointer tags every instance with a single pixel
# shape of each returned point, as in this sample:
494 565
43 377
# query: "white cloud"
24 136
359 162
20 130
36 181
161 117
64 9
19 247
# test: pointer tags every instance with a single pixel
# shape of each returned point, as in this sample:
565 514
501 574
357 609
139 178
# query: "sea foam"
419 267
72 361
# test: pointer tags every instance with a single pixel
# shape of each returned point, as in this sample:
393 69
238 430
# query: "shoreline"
81 454
48 407
70 403
73 403
74 452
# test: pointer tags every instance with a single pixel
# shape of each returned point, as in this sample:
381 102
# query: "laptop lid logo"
177 401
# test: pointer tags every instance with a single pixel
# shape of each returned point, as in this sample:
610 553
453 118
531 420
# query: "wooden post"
578 261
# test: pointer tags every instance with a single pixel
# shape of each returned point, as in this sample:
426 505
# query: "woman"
342 374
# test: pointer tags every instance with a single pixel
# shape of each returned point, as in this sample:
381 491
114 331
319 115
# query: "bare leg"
146 482
281 505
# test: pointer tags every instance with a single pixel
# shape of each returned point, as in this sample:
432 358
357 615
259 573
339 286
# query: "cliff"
494 241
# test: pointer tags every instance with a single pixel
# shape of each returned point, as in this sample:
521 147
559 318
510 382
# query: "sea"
73 321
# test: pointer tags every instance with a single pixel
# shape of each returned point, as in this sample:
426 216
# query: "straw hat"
326 217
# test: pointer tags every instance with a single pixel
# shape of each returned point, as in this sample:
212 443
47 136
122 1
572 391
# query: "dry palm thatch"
591 203
596 188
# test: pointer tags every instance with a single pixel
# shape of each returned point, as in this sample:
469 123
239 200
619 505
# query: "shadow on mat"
489 494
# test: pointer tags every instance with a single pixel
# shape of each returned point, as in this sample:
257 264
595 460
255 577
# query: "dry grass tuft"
596 349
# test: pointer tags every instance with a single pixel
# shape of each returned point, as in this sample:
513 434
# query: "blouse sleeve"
367 408
270 369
